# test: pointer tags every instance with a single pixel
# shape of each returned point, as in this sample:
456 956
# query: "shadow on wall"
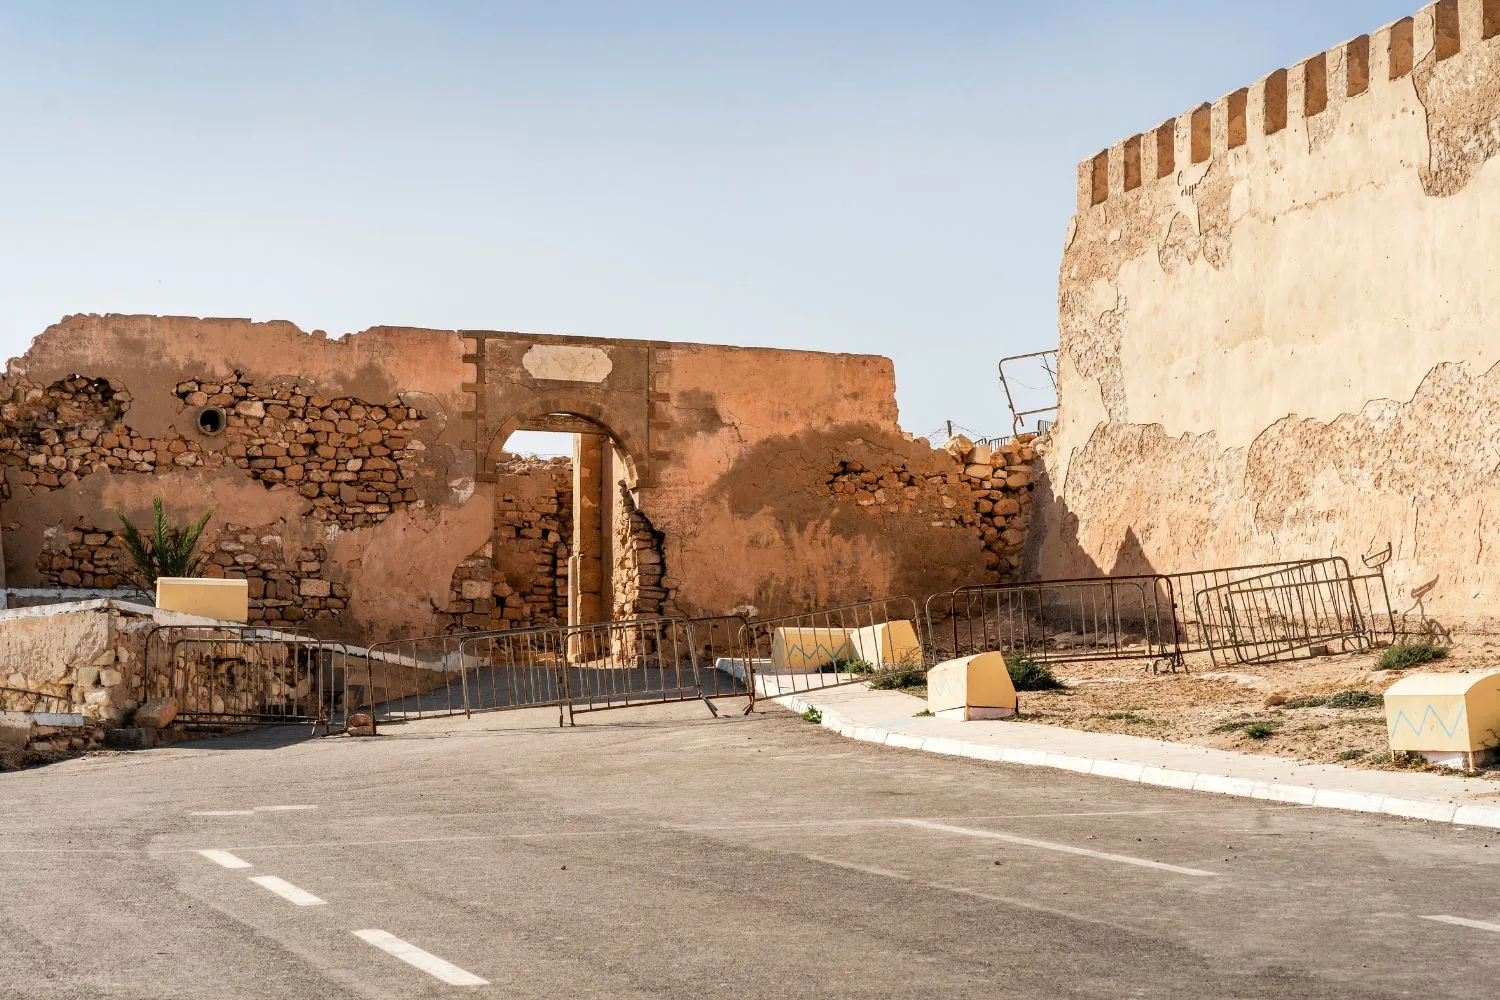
1053 551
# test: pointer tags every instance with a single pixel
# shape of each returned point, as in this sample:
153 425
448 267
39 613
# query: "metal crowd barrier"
833 647
225 676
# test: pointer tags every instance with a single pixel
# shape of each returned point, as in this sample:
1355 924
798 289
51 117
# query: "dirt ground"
1214 706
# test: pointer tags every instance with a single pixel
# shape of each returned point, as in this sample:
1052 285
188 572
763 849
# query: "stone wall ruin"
362 486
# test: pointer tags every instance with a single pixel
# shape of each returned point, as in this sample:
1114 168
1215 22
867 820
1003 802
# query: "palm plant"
168 551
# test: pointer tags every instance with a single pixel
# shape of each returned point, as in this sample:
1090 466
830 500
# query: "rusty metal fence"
225 676
1259 613
1114 618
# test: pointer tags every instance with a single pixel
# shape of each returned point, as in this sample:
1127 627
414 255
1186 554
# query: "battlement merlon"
1246 118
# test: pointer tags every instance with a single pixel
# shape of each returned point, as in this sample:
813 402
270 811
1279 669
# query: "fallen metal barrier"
1246 614
225 676
833 647
1292 612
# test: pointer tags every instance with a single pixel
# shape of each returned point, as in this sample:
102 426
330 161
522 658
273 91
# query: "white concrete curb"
1145 774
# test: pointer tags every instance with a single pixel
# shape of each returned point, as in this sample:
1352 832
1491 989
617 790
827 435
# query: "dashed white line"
282 809
1047 845
414 956
1478 925
226 860
287 891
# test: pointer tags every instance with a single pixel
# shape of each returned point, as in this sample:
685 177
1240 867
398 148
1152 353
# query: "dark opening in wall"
1166 149
1276 102
1403 42
1315 85
1238 103
211 420
1491 18
1203 133
1445 30
1132 163
1101 178
1357 58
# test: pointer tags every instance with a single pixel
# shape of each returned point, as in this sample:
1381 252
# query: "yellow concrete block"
971 687
226 600
888 645
806 650
1444 713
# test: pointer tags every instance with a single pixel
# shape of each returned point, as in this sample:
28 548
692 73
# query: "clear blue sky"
871 176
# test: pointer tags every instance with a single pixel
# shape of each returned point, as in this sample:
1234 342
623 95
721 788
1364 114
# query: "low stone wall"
86 658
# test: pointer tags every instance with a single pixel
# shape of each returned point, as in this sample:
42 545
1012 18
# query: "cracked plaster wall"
1289 348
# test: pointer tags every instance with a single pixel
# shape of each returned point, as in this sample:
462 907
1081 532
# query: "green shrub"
167 550
1351 755
1029 675
812 715
1261 730
899 679
926 713
860 667
1307 703
1410 654
1355 699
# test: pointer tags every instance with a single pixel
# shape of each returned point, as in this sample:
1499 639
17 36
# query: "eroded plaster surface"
1280 341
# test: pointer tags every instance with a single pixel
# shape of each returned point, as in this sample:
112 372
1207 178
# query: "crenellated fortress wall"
1279 323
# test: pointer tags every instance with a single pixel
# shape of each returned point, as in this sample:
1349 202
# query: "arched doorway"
609 558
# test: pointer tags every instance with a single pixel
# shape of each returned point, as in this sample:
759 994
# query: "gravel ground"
1214 706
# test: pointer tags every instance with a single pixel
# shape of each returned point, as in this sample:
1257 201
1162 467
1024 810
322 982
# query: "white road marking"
226 860
282 809
1047 845
426 961
287 891
862 869
1479 925
249 812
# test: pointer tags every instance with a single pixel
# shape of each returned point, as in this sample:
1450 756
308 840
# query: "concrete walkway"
888 717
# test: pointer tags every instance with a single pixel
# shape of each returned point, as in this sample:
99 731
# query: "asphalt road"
659 852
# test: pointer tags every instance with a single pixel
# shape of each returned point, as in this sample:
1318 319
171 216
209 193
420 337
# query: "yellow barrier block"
1447 718
807 650
226 600
971 687
888 645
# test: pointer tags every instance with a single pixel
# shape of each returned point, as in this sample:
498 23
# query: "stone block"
887 645
360 724
315 588
156 714
971 688
225 600
1447 718
958 446
807 650
980 454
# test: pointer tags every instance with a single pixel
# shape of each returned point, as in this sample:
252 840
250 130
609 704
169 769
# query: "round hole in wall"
211 420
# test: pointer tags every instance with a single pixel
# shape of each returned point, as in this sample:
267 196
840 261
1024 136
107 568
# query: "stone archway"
603 508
